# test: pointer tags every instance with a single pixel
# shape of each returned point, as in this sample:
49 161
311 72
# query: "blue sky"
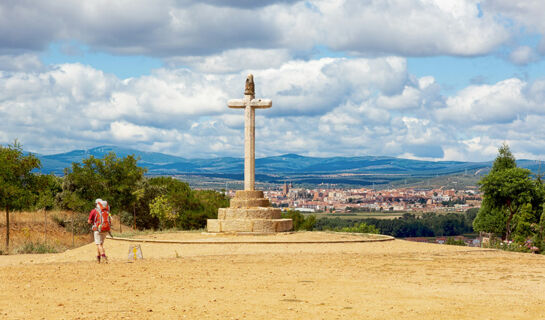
123 66
422 79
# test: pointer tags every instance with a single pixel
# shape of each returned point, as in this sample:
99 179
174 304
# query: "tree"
145 193
161 209
506 190
121 176
209 202
504 160
361 227
48 186
16 180
299 220
490 219
191 207
111 178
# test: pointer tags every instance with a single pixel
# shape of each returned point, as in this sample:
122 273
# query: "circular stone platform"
307 237
250 212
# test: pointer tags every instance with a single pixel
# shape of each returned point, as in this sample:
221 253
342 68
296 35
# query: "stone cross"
249 104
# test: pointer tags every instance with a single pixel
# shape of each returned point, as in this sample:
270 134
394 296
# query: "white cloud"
541 47
426 27
128 132
207 35
523 55
326 107
27 61
527 13
525 18
502 102
408 99
232 60
189 108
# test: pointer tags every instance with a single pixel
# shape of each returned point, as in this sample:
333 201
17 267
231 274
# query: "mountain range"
282 167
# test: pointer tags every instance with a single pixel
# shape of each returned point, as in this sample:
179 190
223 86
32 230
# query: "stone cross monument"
249 104
249 211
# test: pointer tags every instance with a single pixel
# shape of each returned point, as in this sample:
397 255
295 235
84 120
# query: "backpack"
102 219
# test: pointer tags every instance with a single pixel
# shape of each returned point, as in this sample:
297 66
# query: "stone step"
249 194
249 225
249 213
249 203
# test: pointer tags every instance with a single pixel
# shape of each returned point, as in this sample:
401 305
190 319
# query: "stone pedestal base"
249 211
252 225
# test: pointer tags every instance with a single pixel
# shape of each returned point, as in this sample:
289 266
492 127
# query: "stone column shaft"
249 146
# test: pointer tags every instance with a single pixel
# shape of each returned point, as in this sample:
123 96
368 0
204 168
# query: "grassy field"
359 215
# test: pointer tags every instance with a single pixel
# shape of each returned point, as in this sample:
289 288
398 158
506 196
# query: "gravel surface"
354 280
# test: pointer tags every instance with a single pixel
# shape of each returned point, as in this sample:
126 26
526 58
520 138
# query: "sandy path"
381 280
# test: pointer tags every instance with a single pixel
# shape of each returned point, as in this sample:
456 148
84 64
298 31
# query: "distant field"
360 215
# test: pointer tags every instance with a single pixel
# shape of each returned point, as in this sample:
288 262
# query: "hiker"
99 217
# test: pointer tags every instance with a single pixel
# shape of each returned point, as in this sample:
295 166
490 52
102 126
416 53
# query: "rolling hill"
359 170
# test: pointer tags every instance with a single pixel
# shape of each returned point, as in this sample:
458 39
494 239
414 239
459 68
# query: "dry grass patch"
47 232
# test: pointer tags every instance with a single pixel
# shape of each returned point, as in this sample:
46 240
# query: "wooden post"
7 229
134 216
45 226
120 231
73 229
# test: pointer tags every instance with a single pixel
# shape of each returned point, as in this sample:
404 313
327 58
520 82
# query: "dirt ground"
376 280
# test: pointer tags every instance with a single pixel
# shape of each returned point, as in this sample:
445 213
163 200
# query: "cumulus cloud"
200 33
502 102
523 55
526 13
184 111
325 107
526 17
417 28
232 60
21 62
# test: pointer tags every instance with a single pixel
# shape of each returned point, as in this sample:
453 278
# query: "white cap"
104 203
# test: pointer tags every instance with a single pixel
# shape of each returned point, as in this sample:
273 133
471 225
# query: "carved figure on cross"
249 103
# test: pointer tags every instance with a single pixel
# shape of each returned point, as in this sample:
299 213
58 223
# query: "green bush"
453 242
361 228
300 222
38 247
80 223
127 218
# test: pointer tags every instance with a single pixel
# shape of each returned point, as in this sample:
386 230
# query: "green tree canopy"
504 160
300 222
506 190
189 209
161 209
18 185
48 188
110 178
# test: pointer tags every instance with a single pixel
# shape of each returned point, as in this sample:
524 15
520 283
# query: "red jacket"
92 216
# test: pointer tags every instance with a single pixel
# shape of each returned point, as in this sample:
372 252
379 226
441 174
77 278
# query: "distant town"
328 199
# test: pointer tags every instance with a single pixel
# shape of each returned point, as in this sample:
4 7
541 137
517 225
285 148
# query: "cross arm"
236 103
255 103
261 103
